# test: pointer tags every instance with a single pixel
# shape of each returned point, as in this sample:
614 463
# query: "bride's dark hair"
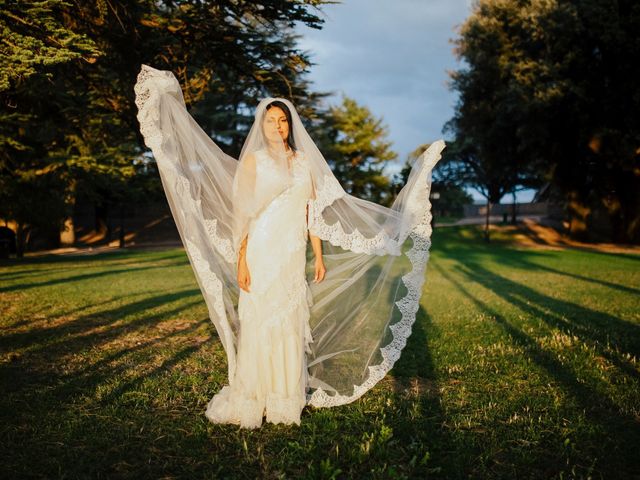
277 103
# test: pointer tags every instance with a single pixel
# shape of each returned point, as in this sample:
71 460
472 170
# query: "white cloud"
391 56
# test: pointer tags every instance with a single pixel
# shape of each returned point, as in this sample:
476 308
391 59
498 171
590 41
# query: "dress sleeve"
311 227
311 224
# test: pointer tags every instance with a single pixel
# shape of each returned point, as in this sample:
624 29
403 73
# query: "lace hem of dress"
281 409
229 406
225 407
420 233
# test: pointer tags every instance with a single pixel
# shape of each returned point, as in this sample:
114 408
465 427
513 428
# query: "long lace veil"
363 312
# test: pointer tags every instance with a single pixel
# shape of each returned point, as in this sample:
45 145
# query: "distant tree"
485 153
354 144
465 163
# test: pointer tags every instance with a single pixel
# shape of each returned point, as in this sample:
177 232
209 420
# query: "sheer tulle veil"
376 257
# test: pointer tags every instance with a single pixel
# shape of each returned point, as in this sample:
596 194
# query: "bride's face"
275 125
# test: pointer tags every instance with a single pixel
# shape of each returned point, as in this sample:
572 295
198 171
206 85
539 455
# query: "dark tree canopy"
549 93
68 119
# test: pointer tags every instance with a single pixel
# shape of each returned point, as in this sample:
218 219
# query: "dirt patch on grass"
530 233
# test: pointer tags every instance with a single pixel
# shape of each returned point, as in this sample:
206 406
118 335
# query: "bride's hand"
244 278
320 270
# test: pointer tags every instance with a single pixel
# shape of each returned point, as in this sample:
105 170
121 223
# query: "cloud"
393 57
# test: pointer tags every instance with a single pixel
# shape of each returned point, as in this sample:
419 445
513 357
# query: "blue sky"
392 57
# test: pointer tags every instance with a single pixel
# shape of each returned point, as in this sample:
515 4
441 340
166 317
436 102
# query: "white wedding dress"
274 335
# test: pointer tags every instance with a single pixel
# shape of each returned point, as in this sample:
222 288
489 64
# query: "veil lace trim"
334 233
418 254
224 246
148 116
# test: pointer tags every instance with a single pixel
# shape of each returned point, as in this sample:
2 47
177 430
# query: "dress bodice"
281 227
300 174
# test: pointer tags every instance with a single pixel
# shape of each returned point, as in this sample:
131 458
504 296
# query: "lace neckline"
291 161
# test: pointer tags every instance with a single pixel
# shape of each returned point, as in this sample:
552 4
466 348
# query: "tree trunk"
625 219
102 221
487 236
514 212
20 240
121 245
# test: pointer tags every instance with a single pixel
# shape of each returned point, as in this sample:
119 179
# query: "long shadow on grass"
167 363
415 379
73 400
620 431
520 262
453 245
84 276
49 264
50 346
83 326
594 328
23 376
37 318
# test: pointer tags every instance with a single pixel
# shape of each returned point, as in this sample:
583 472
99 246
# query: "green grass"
523 363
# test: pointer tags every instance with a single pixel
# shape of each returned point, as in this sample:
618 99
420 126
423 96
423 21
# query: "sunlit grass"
522 364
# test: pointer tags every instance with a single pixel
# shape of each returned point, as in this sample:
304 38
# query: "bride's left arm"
316 244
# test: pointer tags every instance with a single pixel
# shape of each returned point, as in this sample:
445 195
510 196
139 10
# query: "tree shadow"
85 372
98 416
51 345
83 326
525 264
600 409
84 276
454 246
595 328
414 379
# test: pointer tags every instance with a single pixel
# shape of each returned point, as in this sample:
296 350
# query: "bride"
273 311
246 224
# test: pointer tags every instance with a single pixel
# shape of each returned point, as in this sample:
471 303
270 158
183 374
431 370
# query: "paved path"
494 219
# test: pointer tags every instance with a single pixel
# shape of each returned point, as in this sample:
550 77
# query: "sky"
391 56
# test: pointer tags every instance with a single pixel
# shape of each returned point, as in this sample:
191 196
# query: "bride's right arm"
244 278
243 248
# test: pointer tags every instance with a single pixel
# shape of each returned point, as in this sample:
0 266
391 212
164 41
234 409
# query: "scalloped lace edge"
418 254
148 118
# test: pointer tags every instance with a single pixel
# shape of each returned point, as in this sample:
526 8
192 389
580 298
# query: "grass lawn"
523 363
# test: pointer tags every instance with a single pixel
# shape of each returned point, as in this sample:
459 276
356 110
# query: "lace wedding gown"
274 335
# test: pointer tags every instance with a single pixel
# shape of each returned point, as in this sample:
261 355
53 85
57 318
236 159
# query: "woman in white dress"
274 314
245 225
